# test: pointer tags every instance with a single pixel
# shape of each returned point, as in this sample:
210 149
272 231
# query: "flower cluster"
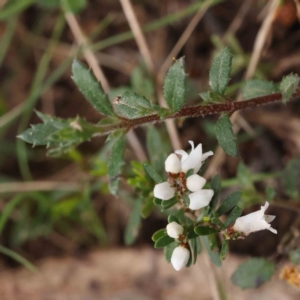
186 186
177 183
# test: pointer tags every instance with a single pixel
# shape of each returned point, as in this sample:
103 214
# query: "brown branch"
196 111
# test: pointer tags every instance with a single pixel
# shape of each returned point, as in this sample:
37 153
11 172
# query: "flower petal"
164 191
173 164
180 257
269 218
193 160
183 154
195 182
200 199
174 230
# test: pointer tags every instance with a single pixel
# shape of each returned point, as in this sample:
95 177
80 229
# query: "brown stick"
197 111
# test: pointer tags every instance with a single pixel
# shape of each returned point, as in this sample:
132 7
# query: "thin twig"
92 60
182 40
195 111
260 40
19 187
138 33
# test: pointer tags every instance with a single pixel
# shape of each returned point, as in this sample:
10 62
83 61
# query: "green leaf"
257 88
226 137
175 85
166 204
218 222
168 250
172 218
60 135
231 201
147 208
214 256
152 173
194 245
74 6
253 273
189 173
216 187
236 212
205 230
159 150
116 160
91 88
224 250
199 246
192 234
131 106
163 241
291 178
220 71
132 228
157 202
158 234
186 200
288 86
190 261
294 256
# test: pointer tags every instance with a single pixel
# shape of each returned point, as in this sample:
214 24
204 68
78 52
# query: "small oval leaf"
175 85
230 202
220 71
253 273
163 241
205 230
226 137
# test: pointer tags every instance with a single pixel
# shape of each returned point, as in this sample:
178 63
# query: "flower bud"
200 199
195 182
164 191
180 257
255 221
174 230
173 164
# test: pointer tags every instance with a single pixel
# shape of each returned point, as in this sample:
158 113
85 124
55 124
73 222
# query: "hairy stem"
196 111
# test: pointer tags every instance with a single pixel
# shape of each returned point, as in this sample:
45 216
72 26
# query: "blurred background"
56 214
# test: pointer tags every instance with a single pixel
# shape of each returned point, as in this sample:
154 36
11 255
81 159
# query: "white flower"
173 164
195 182
200 199
194 160
254 222
164 191
174 230
180 257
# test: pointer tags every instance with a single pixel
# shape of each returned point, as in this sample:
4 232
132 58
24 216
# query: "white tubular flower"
195 182
180 257
200 199
254 222
173 164
164 191
174 230
194 160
